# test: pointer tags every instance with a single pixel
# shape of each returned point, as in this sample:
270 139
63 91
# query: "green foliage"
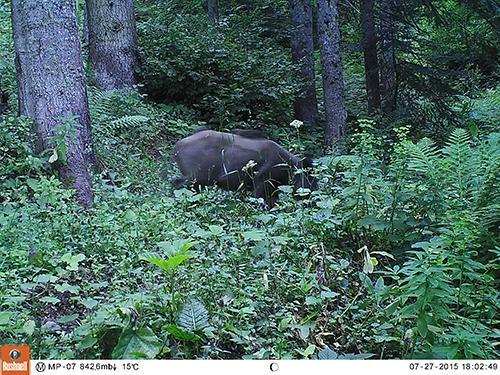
193 316
137 343
231 73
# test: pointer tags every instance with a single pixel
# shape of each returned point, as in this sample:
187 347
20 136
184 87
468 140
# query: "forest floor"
160 273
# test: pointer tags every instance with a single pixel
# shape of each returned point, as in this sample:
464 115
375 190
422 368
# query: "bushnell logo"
15 360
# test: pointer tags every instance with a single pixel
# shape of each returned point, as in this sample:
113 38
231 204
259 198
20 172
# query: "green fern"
129 121
193 316
459 167
424 158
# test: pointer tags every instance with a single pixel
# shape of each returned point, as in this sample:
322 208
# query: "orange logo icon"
15 360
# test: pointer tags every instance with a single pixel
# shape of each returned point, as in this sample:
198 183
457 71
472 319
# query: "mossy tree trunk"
112 42
305 105
369 43
51 83
333 73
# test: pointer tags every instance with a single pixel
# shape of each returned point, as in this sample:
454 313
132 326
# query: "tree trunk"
305 105
333 75
4 99
388 69
369 42
112 42
85 25
213 10
51 82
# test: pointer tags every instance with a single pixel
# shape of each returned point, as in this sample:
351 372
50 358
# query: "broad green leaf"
254 235
193 316
309 350
310 300
5 318
142 340
389 310
379 285
89 303
181 334
327 353
65 287
87 342
29 327
130 216
72 260
422 326
52 300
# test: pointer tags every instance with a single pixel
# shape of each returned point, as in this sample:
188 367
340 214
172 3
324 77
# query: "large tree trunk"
369 42
213 10
333 74
305 105
112 42
51 81
388 69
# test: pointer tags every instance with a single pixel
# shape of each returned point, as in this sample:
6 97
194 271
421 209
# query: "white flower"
296 124
251 163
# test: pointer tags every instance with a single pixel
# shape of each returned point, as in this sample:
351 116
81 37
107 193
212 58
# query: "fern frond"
129 121
424 157
459 166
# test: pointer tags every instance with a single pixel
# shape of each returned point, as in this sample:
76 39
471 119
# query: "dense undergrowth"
389 259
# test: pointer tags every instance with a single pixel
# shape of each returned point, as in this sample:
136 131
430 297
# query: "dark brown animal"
243 159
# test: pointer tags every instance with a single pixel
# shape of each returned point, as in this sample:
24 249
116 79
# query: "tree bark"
51 82
85 24
369 42
112 42
305 105
213 10
4 99
333 74
388 68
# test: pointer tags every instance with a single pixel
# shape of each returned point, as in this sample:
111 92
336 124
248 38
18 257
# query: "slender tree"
369 42
85 24
4 99
388 68
305 104
51 82
213 10
333 74
112 42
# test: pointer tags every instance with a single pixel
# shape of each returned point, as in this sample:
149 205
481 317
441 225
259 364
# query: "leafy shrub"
232 75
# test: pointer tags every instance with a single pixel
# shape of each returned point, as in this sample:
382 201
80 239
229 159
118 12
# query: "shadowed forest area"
385 247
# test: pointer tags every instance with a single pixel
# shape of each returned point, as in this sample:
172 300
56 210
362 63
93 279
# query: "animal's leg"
263 189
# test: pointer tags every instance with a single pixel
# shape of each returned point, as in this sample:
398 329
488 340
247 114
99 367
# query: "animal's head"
304 178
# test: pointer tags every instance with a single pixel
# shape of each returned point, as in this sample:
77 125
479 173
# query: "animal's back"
210 157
